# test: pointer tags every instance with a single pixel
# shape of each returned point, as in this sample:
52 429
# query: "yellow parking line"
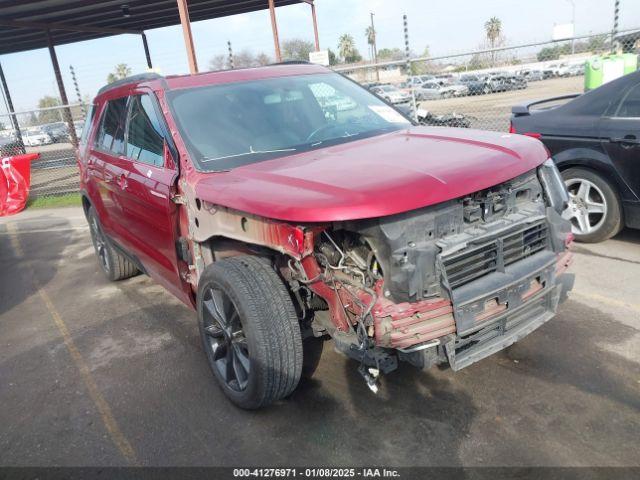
99 401
607 300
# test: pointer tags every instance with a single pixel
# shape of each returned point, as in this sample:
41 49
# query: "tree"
597 43
370 33
347 49
219 62
244 59
122 70
49 116
297 49
333 60
390 54
263 59
493 31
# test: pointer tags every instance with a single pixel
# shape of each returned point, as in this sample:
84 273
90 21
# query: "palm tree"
347 48
493 29
122 70
370 33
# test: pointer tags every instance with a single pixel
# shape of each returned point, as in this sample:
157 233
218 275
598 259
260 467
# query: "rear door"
103 158
620 135
146 186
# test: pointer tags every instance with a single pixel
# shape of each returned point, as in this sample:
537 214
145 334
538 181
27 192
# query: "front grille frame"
496 253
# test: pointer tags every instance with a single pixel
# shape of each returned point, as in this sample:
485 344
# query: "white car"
434 90
34 137
391 94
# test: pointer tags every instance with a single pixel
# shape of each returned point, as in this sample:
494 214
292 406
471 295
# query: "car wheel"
594 209
250 331
114 265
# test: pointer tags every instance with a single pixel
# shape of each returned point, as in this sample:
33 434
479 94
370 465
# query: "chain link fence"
477 89
472 89
45 131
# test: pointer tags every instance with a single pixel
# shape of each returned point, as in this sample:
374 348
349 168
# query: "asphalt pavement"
94 373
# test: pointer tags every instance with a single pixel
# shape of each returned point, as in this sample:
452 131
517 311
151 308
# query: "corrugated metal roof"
22 22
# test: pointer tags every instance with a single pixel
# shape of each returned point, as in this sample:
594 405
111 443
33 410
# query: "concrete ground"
95 373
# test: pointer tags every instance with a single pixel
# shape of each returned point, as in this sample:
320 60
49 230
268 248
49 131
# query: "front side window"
111 134
630 106
229 125
145 142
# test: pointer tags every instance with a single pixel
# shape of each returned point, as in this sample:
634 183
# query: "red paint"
15 181
373 177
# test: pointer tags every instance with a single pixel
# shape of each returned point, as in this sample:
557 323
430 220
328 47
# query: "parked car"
454 89
392 94
575 70
496 83
418 80
531 75
9 145
435 90
425 117
474 83
516 82
282 224
58 132
35 137
556 70
595 141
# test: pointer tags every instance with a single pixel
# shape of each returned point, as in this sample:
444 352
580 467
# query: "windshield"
229 125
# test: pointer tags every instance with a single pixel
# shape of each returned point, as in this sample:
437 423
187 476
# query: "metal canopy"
22 23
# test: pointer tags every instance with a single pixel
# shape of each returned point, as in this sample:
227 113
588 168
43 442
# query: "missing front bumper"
507 328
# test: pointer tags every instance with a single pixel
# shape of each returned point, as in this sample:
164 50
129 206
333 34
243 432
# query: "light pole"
573 23
374 47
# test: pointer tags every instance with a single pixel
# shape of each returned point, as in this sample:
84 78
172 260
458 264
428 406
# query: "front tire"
114 265
594 208
250 331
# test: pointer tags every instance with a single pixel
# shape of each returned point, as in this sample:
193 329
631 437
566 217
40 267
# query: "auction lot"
93 373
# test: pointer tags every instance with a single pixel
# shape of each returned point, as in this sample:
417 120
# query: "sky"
446 27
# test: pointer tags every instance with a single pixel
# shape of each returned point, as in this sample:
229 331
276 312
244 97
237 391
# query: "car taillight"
512 128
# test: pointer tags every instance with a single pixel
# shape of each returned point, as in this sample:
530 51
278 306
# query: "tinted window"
630 106
145 142
111 134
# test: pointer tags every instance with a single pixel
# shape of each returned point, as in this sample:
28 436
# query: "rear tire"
594 208
244 308
114 265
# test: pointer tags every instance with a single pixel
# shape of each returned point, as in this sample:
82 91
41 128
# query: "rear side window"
630 106
145 142
88 122
111 134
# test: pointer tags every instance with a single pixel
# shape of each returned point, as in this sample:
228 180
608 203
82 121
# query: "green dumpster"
604 68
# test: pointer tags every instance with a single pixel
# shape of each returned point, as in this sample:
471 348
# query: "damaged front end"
449 283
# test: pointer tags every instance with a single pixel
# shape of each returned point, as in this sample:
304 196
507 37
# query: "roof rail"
291 62
141 77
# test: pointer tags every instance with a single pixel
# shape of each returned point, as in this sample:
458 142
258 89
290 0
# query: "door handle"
627 141
122 181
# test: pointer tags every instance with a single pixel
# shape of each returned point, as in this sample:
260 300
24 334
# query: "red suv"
287 205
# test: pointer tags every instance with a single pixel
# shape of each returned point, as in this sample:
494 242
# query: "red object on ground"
15 180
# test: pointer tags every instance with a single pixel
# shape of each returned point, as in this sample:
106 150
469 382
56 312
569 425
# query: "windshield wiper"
250 152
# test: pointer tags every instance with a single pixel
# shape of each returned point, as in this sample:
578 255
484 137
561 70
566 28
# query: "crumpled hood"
374 177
